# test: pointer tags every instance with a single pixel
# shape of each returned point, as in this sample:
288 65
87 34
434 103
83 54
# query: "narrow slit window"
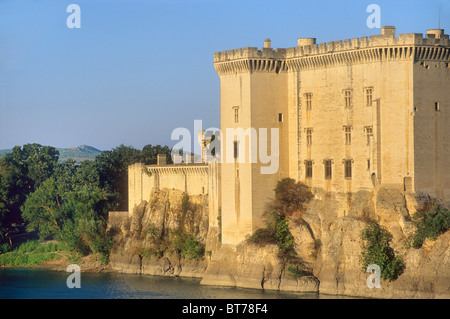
369 134
308 169
236 114
348 135
280 117
236 149
348 169
369 96
328 169
437 107
308 97
348 98
309 136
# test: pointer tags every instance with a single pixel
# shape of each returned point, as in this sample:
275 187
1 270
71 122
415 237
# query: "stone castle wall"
364 107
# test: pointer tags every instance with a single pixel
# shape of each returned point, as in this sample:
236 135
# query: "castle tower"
253 85
352 115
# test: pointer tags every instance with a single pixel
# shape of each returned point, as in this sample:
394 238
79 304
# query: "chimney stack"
161 159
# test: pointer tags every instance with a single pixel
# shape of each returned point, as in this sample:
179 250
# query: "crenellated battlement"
434 46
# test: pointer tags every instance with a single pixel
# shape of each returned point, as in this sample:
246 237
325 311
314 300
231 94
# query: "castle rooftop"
308 46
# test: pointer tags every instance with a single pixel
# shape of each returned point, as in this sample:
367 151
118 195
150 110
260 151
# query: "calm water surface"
47 284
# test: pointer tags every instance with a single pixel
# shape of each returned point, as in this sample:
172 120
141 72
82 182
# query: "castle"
350 116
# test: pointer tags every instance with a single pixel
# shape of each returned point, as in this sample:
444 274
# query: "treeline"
66 201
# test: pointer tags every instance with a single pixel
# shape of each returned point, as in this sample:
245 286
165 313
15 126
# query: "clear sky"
138 69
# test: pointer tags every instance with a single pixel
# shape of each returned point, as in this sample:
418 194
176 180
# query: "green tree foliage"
290 197
430 221
66 201
376 250
68 210
113 168
38 161
149 154
186 245
21 172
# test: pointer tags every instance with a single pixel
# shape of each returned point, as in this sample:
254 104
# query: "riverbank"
88 263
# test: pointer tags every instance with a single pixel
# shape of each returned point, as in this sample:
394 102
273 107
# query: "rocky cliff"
144 241
327 240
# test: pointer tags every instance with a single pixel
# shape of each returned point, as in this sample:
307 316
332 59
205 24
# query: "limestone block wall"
396 139
194 179
432 127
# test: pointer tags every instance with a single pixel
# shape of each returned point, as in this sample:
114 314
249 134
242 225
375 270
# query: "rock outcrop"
337 267
252 266
136 238
328 240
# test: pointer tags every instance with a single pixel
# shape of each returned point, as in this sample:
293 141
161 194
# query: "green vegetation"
186 245
79 154
179 241
376 250
290 198
65 201
30 253
430 221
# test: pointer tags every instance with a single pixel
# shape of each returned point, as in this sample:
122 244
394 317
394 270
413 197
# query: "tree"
38 161
42 210
74 213
20 173
149 154
113 168
291 197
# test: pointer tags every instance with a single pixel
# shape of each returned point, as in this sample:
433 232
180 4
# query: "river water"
17 283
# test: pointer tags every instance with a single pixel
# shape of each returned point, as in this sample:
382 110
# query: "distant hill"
79 154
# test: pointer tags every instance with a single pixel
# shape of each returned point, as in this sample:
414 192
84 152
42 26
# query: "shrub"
159 243
187 245
291 197
376 250
431 221
263 236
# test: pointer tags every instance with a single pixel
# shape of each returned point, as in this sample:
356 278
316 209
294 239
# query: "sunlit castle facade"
342 117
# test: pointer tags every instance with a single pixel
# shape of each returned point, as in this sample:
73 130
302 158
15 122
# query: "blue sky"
138 69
